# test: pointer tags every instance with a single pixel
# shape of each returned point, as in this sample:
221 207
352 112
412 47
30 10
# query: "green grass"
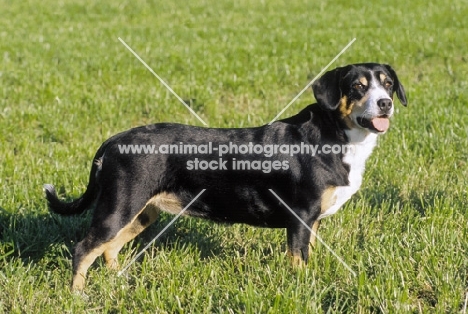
67 84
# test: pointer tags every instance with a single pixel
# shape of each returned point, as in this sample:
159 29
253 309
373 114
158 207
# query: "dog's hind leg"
146 217
160 202
116 221
86 252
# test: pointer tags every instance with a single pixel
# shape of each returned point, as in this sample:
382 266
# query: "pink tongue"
381 124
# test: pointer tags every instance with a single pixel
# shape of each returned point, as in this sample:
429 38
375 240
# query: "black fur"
121 184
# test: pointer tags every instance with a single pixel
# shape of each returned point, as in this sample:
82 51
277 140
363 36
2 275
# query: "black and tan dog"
354 104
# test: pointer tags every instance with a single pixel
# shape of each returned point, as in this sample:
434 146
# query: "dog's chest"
361 146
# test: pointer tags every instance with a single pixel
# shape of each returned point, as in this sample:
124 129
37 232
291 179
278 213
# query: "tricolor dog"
129 190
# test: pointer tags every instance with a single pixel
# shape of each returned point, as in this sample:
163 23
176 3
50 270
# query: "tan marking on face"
345 107
382 77
328 199
364 81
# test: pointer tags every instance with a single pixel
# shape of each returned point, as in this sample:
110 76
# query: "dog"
129 189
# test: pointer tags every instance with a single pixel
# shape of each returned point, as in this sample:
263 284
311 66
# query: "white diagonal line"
160 233
162 81
312 231
312 82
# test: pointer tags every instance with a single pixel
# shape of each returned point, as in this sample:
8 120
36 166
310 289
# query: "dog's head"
361 93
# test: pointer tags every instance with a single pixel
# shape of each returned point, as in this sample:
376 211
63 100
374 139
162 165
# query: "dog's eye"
358 86
388 84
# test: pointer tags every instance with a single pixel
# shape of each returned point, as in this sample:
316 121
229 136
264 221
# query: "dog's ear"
398 88
327 89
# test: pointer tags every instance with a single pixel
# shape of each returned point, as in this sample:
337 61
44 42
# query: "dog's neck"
363 143
359 136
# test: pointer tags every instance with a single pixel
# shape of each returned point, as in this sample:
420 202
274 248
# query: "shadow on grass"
30 235
185 231
43 237
48 239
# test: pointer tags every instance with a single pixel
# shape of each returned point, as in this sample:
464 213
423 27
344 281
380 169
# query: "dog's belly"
255 214
248 209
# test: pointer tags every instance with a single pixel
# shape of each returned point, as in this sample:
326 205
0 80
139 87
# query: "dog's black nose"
385 104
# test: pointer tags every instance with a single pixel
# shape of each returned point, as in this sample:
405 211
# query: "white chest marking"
363 143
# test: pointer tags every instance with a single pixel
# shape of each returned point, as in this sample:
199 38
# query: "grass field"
67 84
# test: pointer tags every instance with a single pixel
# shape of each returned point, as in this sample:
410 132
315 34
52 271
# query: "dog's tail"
80 204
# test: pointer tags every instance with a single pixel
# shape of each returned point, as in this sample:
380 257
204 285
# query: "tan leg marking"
80 277
296 260
162 201
147 216
313 237
149 213
167 202
327 201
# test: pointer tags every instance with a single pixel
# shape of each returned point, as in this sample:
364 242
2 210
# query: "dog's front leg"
298 237
313 235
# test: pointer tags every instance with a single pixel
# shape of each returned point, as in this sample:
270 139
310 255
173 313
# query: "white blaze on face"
369 108
376 93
